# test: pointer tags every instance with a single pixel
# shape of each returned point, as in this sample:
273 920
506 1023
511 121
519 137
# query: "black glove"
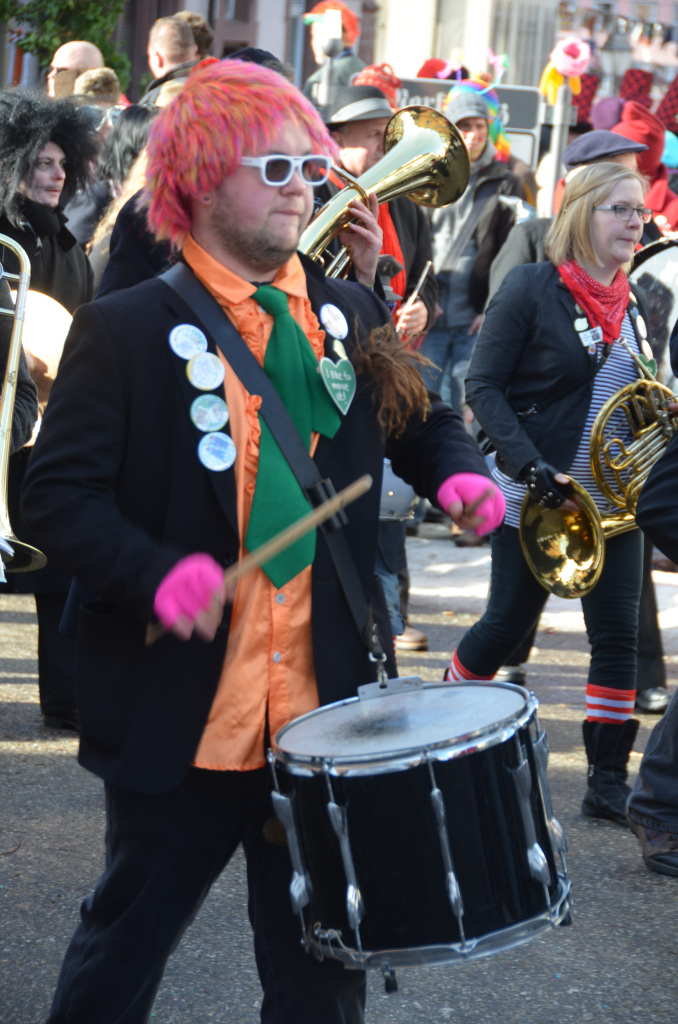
543 488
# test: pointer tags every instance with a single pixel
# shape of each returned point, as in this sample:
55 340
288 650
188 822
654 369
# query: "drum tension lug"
390 979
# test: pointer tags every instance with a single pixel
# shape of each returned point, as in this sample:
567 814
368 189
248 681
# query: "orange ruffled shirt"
268 669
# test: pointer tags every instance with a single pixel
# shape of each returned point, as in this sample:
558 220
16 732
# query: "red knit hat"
383 77
639 124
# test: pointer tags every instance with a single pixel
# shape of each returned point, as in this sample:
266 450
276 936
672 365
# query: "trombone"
17 556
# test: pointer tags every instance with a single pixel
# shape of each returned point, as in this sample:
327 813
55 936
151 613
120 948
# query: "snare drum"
397 498
419 824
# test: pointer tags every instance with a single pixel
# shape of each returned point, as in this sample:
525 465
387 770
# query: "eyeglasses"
624 211
277 170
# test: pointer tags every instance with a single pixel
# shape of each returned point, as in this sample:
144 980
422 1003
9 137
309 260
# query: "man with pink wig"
155 471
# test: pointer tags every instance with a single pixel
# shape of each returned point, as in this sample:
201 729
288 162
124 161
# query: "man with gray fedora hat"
357 119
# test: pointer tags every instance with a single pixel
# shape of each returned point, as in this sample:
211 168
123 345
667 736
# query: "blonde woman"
553 348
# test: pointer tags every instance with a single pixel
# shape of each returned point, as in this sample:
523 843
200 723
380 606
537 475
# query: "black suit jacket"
115 493
528 352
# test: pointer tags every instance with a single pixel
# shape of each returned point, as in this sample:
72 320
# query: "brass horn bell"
425 158
564 548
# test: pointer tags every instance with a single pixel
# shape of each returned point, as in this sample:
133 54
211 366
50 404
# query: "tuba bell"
17 556
425 158
565 549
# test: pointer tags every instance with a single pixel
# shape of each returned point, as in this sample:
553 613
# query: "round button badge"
205 371
216 451
209 412
187 341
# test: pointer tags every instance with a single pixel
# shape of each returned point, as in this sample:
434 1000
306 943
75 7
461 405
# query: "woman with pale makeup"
559 339
46 147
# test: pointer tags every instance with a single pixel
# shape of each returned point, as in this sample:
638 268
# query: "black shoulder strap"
210 314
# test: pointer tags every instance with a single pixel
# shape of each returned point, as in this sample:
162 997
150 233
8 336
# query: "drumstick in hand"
282 540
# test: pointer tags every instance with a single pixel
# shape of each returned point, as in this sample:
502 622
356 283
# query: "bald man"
69 61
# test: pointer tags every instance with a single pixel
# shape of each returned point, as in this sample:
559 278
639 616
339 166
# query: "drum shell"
396 848
397 498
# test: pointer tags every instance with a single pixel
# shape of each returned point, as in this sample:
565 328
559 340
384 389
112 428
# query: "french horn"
564 548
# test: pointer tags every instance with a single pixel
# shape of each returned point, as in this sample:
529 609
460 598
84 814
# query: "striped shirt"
618 370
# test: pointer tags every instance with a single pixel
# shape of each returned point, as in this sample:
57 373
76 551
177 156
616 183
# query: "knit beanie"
639 124
605 114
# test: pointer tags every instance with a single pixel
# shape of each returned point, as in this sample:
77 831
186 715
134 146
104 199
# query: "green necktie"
292 368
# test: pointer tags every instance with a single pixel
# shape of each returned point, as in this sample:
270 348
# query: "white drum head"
402 723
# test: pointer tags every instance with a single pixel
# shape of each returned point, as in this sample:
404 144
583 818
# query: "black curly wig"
28 121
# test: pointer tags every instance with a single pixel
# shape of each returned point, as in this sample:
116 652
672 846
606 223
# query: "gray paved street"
617 964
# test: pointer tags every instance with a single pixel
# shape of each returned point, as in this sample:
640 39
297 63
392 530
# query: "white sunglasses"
277 170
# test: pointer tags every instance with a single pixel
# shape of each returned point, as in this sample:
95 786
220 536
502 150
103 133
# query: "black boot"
607 750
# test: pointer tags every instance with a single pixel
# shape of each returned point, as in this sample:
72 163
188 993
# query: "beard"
257 250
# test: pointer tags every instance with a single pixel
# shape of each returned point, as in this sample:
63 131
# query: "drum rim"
649 250
454 952
406 757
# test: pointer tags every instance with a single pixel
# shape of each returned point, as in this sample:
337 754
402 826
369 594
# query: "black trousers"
516 601
163 852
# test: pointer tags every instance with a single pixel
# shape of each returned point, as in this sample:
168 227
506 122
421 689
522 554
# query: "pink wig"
226 110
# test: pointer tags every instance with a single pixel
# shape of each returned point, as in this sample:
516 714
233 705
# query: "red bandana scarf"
604 305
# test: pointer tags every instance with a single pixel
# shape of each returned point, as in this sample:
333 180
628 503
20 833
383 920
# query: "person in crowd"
357 120
652 808
466 238
147 510
172 53
100 86
134 253
203 33
100 90
68 63
639 124
124 143
345 64
384 78
47 147
527 244
558 340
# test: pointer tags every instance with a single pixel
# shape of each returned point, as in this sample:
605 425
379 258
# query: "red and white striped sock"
604 704
456 673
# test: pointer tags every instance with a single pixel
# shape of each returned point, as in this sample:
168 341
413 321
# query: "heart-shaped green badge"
339 379
649 364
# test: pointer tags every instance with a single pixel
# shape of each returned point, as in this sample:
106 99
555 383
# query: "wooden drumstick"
282 540
302 526
414 296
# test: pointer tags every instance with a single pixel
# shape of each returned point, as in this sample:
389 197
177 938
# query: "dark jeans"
163 852
516 601
654 798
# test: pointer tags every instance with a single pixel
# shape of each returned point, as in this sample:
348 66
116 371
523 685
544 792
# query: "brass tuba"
23 557
425 158
565 549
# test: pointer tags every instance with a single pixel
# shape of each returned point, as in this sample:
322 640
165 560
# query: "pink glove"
187 589
465 488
